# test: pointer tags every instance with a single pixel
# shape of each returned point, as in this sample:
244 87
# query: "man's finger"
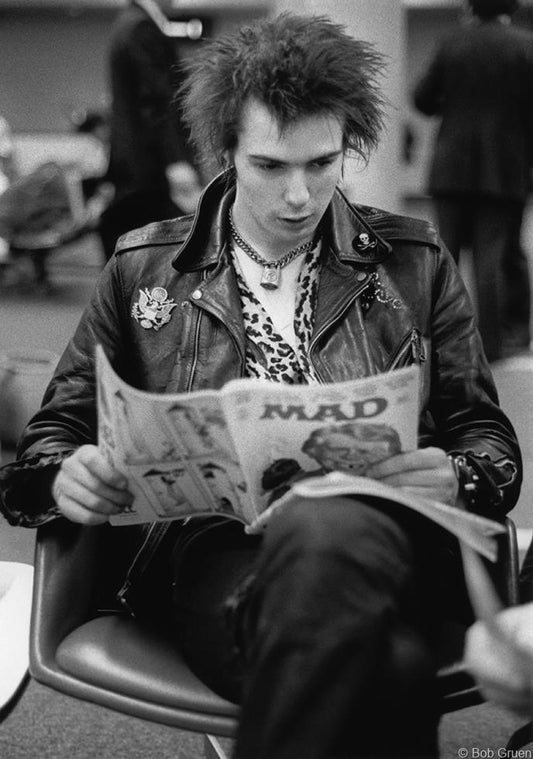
95 463
102 501
76 512
79 477
427 458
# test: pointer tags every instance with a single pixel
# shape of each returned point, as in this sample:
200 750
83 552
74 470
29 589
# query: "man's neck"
265 245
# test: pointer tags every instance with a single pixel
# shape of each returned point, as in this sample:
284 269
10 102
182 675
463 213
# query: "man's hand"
503 663
427 473
87 490
185 186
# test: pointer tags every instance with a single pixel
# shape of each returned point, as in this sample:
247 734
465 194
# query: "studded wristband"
466 477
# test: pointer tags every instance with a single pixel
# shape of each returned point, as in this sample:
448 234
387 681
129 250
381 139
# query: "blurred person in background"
7 174
151 166
480 84
93 154
93 164
7 155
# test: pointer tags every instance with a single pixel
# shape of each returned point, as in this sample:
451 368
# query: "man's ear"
226 159
228 165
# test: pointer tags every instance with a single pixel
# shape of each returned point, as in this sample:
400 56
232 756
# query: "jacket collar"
348 233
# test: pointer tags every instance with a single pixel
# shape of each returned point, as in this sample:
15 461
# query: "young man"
322 627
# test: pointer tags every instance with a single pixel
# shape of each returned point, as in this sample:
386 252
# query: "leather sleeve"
464 402
67 418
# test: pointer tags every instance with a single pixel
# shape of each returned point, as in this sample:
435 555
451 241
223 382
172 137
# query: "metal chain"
254 255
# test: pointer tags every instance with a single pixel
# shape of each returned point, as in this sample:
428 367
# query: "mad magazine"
251 447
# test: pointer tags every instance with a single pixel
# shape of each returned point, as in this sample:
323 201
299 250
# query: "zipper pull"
417 347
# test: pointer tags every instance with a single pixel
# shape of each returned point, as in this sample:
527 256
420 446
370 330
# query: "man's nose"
297 190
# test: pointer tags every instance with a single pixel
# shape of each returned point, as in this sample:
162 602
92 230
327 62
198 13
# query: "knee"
340 534
337 523
330 569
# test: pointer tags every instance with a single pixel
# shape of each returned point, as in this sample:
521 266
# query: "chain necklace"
271 276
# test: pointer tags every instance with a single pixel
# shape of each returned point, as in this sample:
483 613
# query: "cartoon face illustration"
352 447
167 486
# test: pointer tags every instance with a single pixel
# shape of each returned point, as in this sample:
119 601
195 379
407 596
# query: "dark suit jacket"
481 85
146 133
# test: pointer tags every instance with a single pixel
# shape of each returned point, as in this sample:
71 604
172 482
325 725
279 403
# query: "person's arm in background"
503 664
428 93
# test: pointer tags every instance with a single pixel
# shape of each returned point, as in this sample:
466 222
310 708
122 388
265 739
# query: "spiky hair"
297 66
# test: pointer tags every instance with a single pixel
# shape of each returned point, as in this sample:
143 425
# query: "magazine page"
283 431
175 450
473 530
228 452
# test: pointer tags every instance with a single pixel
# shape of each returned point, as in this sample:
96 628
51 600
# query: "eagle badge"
154 308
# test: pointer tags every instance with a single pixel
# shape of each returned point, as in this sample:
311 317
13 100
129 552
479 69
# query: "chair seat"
122 656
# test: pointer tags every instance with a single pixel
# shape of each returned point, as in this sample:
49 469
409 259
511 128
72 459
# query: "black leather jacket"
389 295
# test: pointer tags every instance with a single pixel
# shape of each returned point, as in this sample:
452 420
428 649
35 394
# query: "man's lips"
296 219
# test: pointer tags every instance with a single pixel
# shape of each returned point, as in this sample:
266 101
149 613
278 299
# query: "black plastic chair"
113 660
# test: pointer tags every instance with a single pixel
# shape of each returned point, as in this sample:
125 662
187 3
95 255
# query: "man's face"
348 454
284 181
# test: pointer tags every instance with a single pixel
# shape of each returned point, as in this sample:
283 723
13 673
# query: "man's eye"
322 163
267 166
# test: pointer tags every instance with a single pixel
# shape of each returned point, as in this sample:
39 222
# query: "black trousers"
322 629
491 227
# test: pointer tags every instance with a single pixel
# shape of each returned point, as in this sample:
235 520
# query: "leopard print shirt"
268 355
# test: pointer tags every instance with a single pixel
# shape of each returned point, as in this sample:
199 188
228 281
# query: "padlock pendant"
270 278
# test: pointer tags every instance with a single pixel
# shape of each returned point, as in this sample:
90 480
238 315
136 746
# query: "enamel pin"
153 309
364 242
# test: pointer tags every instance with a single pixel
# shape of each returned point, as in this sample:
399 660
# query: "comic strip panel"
142 435
199 428
171 490
226 485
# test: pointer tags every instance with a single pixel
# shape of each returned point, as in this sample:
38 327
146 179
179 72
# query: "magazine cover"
288 430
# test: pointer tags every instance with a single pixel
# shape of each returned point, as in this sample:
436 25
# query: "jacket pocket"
410 351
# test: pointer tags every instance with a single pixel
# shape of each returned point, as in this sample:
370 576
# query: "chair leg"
38 259
213 749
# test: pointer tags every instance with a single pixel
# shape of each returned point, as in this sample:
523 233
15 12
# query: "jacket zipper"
195 350
328 324
410 347
146 551
196 343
